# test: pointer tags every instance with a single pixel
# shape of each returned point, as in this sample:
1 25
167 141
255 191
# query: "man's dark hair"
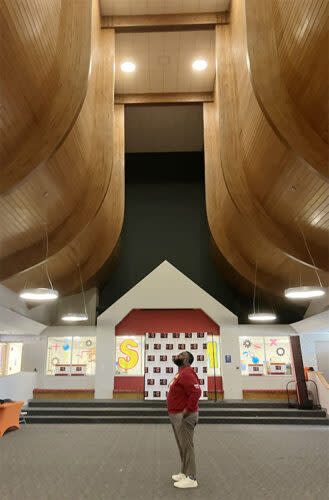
190 357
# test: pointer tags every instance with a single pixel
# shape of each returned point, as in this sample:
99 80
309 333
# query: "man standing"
182 400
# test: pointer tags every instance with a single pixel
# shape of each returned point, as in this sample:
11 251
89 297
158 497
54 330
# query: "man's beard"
179 362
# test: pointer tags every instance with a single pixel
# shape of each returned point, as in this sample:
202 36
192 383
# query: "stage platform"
106 411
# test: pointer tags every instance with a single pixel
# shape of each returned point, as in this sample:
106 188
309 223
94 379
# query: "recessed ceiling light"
199 64
128 67
304 292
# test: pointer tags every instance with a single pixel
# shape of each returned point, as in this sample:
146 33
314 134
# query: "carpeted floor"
135 462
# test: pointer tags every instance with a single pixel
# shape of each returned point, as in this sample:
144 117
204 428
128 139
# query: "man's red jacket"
184 391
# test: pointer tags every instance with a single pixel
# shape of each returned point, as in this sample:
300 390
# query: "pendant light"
259 316
306 292
41 294
77 317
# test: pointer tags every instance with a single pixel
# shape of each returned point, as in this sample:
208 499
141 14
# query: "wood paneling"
43 44
95 243
307 42
259 191
164 22
157 98
147 7
85 181
76 177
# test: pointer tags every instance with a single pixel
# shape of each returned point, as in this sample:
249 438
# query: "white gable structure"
164 288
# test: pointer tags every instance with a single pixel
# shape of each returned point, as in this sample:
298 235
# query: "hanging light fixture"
306 292
259 316
262 317
73 317
41 294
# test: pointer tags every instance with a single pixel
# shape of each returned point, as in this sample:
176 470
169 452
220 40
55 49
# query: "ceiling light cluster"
198 65
50 294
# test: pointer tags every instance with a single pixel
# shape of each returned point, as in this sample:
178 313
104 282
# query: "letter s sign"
131 358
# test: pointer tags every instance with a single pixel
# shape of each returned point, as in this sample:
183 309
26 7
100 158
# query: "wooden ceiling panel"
295 25
261 196
104 229
79 179
142 7
43 43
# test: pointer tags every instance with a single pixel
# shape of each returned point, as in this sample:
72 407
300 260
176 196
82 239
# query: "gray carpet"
135 462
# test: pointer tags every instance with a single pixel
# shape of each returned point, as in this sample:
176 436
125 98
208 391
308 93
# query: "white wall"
312 324
318 305
308 345
164 288
323 390
10 300
18 387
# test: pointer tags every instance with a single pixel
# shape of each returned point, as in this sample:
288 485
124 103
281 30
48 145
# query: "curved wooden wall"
287 40
83 211
259 190
44 43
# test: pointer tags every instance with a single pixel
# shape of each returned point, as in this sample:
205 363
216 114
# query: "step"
109 403
123 411
165 420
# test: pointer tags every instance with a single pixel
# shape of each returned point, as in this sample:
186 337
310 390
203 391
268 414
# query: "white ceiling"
164 61
141 7
163 128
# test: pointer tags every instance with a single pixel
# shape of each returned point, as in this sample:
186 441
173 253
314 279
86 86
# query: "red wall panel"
141 321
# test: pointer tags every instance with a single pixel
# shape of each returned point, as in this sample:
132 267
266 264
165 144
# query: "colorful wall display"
129 358
14 358
265 351
160 350
68 351
10 358
2 359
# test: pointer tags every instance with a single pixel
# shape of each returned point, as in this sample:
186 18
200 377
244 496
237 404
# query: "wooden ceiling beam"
164 98
164 22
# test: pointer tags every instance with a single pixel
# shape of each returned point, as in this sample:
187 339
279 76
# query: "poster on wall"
129 358
160 369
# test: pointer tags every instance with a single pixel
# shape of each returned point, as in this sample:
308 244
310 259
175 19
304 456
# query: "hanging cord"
254 298
46 263
45 195
83 292
309 252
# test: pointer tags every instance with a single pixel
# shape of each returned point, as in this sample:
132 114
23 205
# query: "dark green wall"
165 219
